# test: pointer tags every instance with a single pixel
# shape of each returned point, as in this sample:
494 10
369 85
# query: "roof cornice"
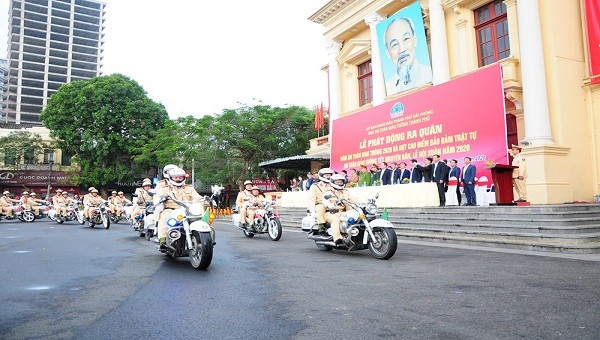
329 9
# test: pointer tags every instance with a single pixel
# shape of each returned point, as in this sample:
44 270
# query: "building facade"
552 99
3 74
50 43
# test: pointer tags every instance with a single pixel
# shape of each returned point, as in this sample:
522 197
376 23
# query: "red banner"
319 118
462 117
33 178
592 19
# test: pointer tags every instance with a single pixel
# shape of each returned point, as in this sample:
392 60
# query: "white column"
378 82
333 49
439 45
535 98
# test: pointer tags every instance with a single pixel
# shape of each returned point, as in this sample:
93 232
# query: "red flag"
592 13
319 118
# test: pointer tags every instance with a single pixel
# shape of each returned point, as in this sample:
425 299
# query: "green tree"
226 148
21 147
259 133
177 142
104 122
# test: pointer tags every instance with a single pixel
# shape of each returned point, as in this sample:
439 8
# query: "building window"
491 27
65 159
48 156
365 83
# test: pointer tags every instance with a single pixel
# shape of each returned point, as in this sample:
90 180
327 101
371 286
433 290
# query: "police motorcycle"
187 234
139 221
114 218
149 223
100 215
266 221
22 213
361 228
45 210
73 214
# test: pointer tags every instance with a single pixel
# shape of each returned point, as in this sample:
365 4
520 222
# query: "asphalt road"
72 281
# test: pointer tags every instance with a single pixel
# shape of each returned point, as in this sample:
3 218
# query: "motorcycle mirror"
327 196
133 195
376 195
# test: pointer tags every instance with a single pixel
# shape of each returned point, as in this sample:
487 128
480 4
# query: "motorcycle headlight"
171 222
352 217
371 209
196 209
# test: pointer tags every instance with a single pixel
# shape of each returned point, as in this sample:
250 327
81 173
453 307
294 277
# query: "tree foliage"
104 122
227 148
21 147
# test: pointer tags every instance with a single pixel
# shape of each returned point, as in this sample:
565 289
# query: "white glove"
329 205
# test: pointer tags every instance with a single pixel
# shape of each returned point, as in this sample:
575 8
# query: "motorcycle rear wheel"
149 234
28 216
202 250
274 229
385 244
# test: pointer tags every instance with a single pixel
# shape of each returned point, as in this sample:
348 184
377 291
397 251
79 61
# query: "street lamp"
49 179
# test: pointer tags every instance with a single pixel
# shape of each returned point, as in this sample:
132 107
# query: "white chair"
463 197
451 198
481 192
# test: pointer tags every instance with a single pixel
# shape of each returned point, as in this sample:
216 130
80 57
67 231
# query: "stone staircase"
566 228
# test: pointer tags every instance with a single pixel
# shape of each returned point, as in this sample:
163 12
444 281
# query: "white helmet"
338 177
323 172
166 170
176 172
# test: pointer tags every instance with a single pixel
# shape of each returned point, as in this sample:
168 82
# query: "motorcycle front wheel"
28 216
385 243
274 229
149 234
248 234
202 250
80 218
105 221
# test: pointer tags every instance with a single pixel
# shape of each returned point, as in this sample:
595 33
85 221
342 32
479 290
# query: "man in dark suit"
394 173
468 179
455 172
440 177
426 169
403 173
386 174
415 174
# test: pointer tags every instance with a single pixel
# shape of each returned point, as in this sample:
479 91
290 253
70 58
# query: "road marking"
39 288
10 236
21 251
